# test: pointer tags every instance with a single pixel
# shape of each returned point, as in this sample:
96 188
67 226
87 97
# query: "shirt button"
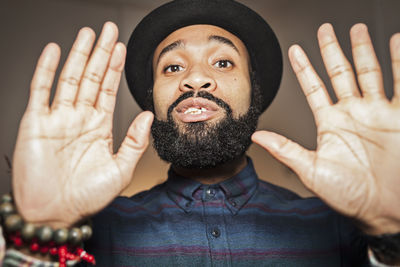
187 205
215 232
233 202
210 192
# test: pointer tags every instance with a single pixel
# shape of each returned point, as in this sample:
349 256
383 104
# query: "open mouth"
196 109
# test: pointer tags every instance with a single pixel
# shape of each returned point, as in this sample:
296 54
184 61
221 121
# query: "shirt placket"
213 203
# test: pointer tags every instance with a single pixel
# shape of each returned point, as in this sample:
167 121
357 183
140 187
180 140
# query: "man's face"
201 58
202 97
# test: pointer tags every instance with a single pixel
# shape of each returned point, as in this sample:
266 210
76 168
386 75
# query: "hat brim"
247 25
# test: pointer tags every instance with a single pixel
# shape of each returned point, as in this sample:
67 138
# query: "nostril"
188 86
206 85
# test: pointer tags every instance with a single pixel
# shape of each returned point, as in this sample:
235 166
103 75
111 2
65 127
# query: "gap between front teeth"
195 111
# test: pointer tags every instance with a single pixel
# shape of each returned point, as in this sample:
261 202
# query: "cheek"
163 97
239 95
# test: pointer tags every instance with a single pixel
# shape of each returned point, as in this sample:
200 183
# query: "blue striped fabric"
242 221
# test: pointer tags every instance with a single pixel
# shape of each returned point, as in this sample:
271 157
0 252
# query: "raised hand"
356 166
64 168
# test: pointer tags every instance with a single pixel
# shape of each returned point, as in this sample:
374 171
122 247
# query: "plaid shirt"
242 221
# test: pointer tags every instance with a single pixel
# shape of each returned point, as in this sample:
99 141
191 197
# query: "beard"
204 145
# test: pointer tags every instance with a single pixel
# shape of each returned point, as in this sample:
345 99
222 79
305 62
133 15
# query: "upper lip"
196 102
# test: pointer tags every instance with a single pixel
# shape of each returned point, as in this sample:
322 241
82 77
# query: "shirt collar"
237 189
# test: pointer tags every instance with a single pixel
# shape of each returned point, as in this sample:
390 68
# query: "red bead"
53 251
18 241
71 256
44 249
92 260
34 247
62 251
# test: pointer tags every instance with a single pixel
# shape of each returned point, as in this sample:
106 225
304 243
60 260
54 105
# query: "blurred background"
27 26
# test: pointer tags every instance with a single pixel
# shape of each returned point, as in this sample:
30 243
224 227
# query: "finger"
71 74
338 67
313 87
98 62
367 66
299 159
109 87
395 55
135 143
43 78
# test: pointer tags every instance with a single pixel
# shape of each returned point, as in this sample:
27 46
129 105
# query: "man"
209 78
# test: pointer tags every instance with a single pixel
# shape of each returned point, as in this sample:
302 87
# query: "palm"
64 165
354 151
355 167
78 156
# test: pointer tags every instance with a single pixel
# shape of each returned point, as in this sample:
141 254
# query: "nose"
197 80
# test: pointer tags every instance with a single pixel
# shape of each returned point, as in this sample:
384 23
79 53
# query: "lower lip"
204 116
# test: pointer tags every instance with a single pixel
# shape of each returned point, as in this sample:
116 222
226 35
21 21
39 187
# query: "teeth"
195 111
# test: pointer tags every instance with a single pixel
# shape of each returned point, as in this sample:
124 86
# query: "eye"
223 64
173 68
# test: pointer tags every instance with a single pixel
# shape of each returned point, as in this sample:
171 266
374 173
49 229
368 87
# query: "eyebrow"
223 40
180 43
170 47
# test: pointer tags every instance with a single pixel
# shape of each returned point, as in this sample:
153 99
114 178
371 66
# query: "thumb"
135 143
296 157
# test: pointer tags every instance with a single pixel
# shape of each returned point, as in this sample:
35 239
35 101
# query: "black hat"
247 25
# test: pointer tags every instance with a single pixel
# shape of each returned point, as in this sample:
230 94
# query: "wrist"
39 215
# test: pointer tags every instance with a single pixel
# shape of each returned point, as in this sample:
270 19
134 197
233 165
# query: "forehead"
200 35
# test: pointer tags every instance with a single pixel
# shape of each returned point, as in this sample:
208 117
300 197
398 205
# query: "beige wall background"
26 27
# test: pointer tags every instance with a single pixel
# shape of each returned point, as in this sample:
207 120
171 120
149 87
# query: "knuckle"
285 146
314 88
368 70
93 77
79 52
304 70
46 69
361 46
72 81
109 91
329 44
62 102
134 143
85 102
338 70
103 49
40 87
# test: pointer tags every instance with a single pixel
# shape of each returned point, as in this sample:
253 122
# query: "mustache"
203 94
